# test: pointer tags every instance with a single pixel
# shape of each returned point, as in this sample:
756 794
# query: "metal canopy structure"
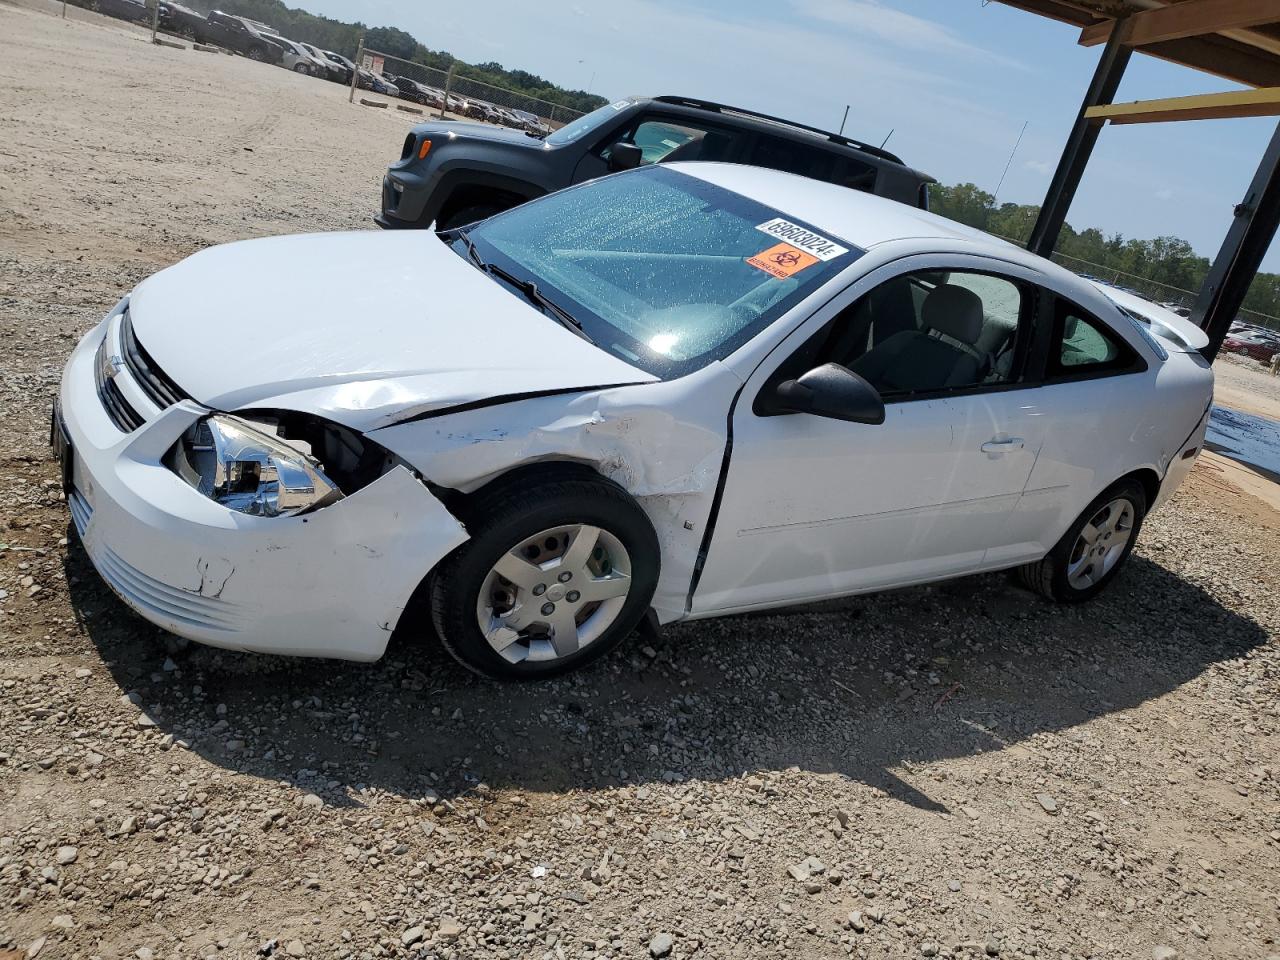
1238 40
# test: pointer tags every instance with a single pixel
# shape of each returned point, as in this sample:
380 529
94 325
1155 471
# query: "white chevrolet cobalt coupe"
678 392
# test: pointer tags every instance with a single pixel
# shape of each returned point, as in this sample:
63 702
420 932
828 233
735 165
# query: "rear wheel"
1091 553
554 576
257 53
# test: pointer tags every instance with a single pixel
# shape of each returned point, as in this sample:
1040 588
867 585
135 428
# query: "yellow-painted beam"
1263 102
1190 18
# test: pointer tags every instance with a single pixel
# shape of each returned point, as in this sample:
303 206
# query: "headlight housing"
246 466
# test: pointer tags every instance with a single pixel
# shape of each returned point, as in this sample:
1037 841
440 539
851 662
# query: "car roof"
864 219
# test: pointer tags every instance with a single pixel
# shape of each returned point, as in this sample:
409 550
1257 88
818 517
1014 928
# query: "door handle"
1003 446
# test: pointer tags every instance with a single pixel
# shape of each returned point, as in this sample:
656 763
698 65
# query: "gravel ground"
953 771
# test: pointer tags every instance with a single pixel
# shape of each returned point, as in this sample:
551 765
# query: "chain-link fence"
1163 293
444 94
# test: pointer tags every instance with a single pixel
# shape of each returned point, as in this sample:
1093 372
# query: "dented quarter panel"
661 442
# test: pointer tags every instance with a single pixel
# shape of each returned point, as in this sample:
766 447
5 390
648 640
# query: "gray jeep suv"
452 173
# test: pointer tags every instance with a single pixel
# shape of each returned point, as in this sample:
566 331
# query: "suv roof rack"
833 137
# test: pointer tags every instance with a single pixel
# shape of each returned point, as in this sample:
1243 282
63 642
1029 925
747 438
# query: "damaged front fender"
664 443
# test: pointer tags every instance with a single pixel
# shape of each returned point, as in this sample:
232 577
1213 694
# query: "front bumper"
331 583
404 201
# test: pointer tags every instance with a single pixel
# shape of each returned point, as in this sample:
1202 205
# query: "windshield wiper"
472 252
539 299
528 287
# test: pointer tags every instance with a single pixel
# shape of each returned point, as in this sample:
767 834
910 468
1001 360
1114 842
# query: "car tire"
1080 565
466 215
299 68
542 521
256 53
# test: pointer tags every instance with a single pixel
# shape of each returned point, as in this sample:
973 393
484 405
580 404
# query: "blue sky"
954 79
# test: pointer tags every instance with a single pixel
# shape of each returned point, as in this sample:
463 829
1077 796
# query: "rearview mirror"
624 156
831 391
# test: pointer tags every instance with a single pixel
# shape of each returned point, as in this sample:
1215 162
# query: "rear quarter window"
1084 346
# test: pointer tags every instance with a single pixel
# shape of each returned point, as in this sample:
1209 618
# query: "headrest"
955 311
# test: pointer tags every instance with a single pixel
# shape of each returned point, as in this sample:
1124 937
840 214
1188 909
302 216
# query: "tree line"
1166 260
344 38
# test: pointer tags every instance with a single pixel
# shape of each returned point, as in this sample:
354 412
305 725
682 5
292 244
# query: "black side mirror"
831 391
624 156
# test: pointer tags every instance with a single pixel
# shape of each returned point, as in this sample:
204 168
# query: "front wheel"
299 68
1092 551
555 575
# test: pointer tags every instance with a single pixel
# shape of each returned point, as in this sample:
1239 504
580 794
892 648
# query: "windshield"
661 268
584 125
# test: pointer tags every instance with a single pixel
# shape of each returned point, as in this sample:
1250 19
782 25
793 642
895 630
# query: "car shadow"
869 688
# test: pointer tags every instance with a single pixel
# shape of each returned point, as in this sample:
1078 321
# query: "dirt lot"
953 771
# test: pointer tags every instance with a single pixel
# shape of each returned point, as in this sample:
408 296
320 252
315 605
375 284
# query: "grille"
118 408
133 361
162 391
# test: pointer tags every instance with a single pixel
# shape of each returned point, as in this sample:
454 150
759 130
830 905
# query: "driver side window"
932 331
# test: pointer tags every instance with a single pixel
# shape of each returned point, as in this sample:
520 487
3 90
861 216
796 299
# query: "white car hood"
365 328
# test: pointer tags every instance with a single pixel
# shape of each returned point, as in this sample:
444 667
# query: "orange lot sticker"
782 261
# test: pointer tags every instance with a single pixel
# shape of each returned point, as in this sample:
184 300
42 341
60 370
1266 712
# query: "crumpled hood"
364 328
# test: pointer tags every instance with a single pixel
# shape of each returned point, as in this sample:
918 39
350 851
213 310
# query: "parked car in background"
475 170
555 434
134 10
409 89
376 82
292 55
1258 345
348 68
184 21
240 36
530 122
324 67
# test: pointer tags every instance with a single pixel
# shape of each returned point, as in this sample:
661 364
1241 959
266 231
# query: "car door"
221 30
1095 389
814 507
663 138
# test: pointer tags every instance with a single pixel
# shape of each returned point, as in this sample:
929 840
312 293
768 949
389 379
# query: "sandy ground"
976 772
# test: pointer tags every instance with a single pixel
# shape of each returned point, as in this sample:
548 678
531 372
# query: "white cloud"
870 17
1042 167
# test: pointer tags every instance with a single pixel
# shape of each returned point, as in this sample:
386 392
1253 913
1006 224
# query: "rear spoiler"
1184 335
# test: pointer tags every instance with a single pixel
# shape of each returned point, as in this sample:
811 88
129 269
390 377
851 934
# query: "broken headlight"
248 467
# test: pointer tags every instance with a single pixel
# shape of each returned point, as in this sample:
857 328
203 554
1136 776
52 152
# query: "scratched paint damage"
649 439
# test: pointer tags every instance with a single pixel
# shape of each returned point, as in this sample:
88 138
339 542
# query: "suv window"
671 140
932 331
1084 345
777 153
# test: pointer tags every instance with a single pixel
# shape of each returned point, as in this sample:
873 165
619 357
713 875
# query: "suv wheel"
257 53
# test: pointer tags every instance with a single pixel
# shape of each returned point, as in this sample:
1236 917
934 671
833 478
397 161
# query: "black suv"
452 173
